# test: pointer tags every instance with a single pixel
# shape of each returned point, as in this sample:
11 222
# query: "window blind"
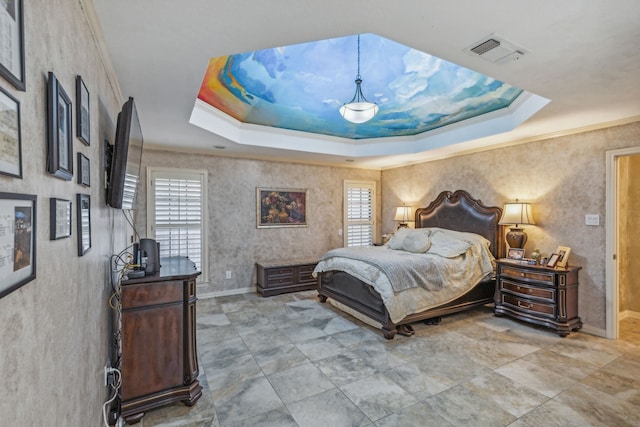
359 215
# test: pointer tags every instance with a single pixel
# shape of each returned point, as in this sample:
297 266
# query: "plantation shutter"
359 213
178 214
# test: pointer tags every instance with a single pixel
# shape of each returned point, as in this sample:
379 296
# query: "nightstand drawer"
528 305
528 291
518 273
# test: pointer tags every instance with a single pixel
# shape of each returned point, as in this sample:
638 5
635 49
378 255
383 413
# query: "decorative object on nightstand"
403 215
516 214
563 255
538 294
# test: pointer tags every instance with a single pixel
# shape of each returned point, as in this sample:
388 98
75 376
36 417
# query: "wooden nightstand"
537 294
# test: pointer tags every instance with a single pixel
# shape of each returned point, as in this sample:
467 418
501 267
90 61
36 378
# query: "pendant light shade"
358 110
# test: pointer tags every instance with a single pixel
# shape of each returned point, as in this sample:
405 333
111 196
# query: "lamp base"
516 238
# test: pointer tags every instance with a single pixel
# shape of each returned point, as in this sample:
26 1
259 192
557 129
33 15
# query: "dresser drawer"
523 304
520 289
305 274
518 273
279 272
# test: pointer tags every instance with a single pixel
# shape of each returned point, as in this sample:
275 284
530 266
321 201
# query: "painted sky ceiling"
301 87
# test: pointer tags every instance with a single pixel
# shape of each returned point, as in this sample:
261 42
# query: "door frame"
611 224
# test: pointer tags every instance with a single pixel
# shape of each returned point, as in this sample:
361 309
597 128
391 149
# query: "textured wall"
55 329
235 243
564 179
629 225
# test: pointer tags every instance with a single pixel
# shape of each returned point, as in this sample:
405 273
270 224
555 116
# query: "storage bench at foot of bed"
281 277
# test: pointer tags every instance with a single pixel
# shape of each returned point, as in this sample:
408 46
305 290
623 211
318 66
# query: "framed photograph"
12 46
10 141
563 252
278 207
84 172
515 253
17 240
60 138
83 117
60 218
83 204
553 260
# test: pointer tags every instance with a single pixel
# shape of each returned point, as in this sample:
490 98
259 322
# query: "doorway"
622 198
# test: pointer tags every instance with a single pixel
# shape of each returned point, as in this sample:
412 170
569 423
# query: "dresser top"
525 264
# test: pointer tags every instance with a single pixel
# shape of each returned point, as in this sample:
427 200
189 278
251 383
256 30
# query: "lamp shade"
403 214
516 213
358 112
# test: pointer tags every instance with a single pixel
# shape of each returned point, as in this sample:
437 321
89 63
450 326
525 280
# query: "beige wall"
629 230
564 179
55 329
235 243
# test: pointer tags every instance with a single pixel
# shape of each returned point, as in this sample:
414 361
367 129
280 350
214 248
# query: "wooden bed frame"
455 211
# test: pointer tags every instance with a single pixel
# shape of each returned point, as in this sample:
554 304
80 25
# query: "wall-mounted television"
122 185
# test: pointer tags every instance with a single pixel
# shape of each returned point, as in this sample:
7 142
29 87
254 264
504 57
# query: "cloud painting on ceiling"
301 87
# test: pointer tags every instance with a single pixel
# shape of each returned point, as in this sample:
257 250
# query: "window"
359 217
176 210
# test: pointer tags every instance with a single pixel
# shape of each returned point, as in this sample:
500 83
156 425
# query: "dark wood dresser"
280 277
537 294
158 360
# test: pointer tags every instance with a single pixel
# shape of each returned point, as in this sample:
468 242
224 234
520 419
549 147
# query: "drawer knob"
521 274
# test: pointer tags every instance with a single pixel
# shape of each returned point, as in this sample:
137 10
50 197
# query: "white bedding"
453 263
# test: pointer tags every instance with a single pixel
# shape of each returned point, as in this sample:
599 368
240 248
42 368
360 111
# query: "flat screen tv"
124 175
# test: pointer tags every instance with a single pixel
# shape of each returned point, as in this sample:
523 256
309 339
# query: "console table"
158 360
279 277
538 294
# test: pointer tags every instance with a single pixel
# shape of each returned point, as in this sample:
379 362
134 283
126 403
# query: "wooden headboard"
461 212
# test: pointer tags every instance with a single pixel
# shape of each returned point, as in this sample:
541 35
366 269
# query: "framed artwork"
563 253
10 140
83 116
84 173
60 143
553 260
515 253
60 218
281 207
83 204
12 46
17 240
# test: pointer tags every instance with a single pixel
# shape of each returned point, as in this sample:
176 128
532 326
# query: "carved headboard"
461 212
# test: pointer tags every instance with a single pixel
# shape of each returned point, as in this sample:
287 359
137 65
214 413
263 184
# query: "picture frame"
59 136
553 260
281 207
83 209
18 218
10 136
564 252
516 254
12 49
60 218
84 170
83 113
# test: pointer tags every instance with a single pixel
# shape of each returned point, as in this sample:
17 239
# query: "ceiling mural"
301 87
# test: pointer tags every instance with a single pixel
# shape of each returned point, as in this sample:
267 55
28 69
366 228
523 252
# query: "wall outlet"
227 274
592 219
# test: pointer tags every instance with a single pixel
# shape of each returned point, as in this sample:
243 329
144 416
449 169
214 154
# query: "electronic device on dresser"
146 255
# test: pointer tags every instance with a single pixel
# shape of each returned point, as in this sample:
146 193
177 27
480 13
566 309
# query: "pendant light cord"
358 74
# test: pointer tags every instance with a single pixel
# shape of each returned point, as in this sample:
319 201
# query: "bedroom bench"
279 277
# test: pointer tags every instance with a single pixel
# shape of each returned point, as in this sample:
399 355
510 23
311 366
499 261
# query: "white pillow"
396 241
417 243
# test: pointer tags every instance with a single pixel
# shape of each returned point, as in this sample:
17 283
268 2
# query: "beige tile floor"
291 361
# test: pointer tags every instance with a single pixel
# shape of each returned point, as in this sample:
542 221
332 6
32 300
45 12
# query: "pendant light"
358 110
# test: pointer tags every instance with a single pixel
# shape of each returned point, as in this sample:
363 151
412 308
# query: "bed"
456 211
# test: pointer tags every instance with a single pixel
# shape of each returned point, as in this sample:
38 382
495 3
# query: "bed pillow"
447 244
396 241
417 243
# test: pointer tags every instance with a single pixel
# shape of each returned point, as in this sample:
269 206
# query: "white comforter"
453 263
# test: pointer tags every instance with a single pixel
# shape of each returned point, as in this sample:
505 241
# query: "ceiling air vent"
496 49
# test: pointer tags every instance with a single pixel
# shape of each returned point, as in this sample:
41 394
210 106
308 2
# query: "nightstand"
538 294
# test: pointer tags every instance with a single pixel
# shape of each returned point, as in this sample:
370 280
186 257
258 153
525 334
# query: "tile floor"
291 361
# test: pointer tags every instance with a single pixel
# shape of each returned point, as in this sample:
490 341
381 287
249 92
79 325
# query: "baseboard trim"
591 330
229 292
628 314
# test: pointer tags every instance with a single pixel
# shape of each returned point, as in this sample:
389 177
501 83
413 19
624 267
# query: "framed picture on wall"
60 218
281 207
10 142
18 223
83 116
12 46
84 172
83 203
60 136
